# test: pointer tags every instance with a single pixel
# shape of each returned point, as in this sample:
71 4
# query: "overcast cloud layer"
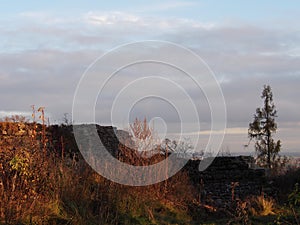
43 55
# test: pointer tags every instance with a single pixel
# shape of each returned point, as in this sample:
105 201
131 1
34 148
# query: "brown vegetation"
41 182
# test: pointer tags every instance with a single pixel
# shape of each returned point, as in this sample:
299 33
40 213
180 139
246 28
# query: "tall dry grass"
39 186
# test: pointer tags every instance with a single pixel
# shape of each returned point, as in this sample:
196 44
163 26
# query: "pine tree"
262 129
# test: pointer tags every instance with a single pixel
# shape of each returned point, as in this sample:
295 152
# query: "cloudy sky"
45 47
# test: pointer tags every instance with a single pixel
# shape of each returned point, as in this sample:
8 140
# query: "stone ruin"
227 178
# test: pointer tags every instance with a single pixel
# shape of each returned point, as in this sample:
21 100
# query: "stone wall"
63 137
216 182
58 138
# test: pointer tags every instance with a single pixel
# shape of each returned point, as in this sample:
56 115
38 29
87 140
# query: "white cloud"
227 131
118 19
12 113
111 18
168 6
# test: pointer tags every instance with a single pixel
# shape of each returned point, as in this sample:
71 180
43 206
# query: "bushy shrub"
262 206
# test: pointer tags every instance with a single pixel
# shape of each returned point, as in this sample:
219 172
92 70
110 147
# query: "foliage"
240 214
262 206
145 141
294 201
184 147
262 129
42 187
294 197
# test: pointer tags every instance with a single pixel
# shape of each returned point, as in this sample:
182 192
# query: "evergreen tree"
262 129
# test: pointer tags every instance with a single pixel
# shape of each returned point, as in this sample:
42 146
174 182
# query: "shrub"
262 206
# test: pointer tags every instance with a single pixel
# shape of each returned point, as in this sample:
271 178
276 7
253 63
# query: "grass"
262 206
44 188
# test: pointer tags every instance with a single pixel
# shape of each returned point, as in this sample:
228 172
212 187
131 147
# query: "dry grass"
262 206
42 187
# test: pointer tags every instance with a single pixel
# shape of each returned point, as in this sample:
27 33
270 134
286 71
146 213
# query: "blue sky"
46 46
204 10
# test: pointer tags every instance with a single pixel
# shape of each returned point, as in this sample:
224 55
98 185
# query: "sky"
45 47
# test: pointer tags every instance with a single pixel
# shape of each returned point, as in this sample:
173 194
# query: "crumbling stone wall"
63 140
227 178
58 137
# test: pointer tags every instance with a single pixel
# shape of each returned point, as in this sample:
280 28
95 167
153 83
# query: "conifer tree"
262 129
